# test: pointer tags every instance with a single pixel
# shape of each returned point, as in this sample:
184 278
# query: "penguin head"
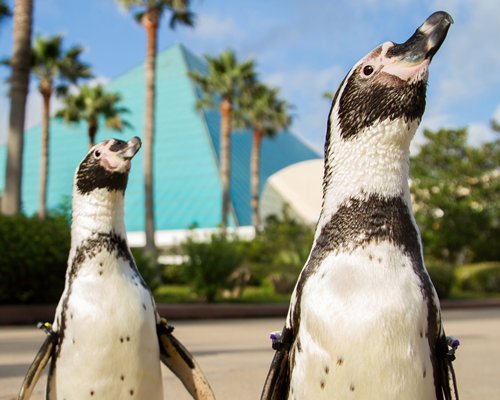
390 82
374 116
106 166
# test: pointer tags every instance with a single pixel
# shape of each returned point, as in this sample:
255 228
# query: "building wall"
187 186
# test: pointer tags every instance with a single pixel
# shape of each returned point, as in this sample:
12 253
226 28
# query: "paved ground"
235 355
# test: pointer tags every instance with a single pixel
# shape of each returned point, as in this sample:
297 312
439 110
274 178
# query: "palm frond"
138 16
5 11
93 103
264 110
61 90
128 4
182 17
226 78
205 103
5 62
49 63
328 95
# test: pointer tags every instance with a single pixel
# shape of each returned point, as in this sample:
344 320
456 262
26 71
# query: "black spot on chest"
357 223
109 242
100 242
360 222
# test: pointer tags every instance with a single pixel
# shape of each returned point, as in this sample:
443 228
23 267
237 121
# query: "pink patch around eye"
406 71
110 162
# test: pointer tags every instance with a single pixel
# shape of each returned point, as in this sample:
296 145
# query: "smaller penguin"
107 338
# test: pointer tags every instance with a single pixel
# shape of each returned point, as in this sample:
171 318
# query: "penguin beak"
117 154
130 150
425 42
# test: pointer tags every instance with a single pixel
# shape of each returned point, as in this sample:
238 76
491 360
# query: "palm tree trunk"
255 177
150 22
44 155
225 158
92 131
20 63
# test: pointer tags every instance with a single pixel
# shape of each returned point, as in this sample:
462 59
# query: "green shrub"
280 250
442 276
172 274
175 294
483 277
264 294
148 268
33 259
282 283
211 263
489 280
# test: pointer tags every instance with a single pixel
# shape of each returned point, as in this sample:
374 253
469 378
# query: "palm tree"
225 83
148 13
266 114
54 69
92 104
19 82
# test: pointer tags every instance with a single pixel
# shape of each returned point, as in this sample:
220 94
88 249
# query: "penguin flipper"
38 364
182 363
277 383
446 350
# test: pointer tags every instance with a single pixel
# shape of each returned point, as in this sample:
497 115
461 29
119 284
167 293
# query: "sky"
303 47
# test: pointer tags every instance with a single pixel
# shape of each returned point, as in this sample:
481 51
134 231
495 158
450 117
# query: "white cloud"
34 108
479 133
305 87
471 60
496 114
306 81
33 112
213 34
436 121
211 27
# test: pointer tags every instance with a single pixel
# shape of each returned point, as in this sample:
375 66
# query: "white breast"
363 330
110 347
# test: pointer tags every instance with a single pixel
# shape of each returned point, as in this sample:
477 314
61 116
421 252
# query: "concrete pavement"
235 354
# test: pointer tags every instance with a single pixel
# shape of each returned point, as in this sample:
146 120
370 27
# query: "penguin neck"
101 211
375 162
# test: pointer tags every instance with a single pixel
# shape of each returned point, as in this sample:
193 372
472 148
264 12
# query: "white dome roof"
299 186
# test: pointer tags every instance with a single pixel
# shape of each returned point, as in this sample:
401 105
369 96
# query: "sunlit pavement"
235 354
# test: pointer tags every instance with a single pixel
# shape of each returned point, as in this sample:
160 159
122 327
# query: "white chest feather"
109 348
363 330
376 162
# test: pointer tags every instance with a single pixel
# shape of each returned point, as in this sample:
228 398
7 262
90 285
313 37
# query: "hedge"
33 259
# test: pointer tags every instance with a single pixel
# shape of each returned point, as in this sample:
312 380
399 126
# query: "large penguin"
364 319
107 337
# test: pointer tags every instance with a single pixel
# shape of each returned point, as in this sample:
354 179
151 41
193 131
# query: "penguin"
107 338
364 318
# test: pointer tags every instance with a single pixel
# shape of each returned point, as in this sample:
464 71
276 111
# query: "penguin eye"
368 70
97 154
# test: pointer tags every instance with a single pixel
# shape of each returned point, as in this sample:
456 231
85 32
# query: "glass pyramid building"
186 153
